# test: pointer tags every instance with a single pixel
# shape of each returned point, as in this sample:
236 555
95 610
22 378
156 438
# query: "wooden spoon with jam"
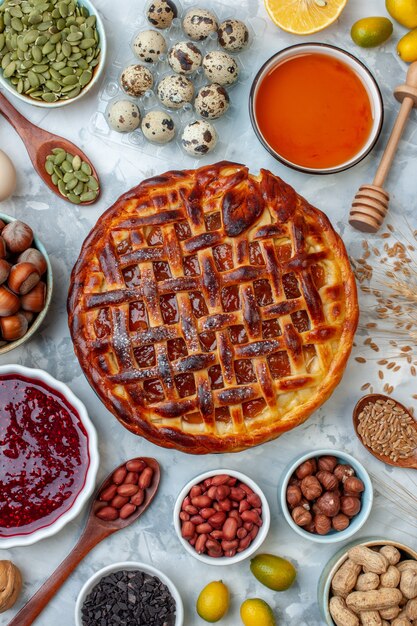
110 511
408 462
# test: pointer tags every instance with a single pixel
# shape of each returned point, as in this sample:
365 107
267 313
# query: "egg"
219 67
158 127
149 45
160 13
174 91
199 23
233 35
184 58
212 101
7 176
136 80
199 138
123 116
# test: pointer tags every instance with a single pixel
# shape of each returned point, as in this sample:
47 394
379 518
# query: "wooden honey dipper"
370 204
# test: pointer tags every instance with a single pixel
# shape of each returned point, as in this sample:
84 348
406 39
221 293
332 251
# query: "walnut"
323 524
343 471
340 522
294 496
301 517
327 463
329 503
306 469
10 585
354 485
350 505
311 488
328 480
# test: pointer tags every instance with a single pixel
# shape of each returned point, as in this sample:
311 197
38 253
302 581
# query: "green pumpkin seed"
66 167
33 79
88 196
85 167
54 179
10 69
78 190
93 183
48 48
74 37
61 187
70 80
74 93
40 69
72 183
86 77
16 24
73 198
49 166
49 97
81 176
53 85
76 163
37 54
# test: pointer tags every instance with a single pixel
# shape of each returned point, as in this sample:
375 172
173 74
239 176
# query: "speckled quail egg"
219 67
212 101
149 45
123 116
199 23
158 126
174 91
199 138
136 80
233 35
184 58
160 13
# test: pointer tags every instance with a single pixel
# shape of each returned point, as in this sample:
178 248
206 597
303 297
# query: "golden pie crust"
213 310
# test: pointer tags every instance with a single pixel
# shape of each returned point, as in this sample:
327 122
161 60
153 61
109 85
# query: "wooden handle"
31 135
90 538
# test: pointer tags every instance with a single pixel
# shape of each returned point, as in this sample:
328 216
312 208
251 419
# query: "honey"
314 111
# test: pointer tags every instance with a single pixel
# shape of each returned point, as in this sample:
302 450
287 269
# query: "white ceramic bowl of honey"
316 108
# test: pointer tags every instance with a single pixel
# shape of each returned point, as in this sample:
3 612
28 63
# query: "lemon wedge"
303 17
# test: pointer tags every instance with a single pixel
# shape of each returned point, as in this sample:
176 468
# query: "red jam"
43 455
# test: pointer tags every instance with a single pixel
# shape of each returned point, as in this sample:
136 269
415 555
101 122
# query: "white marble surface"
63 228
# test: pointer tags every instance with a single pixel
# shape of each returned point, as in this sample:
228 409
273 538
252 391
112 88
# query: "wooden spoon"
39 143
409 462
95 531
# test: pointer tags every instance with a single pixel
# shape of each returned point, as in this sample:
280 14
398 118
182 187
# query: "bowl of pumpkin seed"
52 52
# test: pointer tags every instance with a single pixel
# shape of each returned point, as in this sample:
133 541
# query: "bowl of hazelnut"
25 283
326 495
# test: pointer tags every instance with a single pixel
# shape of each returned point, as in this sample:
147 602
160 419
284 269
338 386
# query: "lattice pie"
213 310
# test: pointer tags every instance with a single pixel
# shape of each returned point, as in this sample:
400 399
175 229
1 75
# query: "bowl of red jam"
48 455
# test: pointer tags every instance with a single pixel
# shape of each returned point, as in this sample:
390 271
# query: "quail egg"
184 58
174 91
149 45
219 67
199 138
233 35
160 13
212 101
199 23
158 126
136 80
123 116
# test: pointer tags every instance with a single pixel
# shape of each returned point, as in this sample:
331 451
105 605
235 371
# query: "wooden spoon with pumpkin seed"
48 153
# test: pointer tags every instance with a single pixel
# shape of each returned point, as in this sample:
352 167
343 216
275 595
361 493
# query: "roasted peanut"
401 621
391 613
370 618
367 582
407 564
341 615
145 478
391 578
345 578
411 609
408 584
391 554
376 600
373 561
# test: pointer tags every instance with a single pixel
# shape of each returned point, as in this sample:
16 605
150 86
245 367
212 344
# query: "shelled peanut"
374 587
221 516
324 495
126 490
22 290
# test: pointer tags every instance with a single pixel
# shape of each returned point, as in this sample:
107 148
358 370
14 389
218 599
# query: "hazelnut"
4 270
29 316
310 528
343 471
294 481
354 485
32 255
328 480
23 278
18 236
294 496
306 469
311 488
10 585
301 517
13 327
3 249
340 522
350 506
34 301
2 225
327 463
9 302
329 503
323 524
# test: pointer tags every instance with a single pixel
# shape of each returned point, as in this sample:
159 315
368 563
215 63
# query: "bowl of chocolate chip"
326 495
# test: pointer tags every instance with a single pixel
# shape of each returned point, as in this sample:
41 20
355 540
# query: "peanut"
411 609
408 564
376 600
385 623
391 613
391 554
370 618
341 615
391 578
401 621
408 584
345 578
367 582
369 559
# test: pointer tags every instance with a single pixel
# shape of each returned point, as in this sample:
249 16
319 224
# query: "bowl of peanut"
326 495
370 582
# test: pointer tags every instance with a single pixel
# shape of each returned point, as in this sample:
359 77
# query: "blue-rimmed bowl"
325 581
367 496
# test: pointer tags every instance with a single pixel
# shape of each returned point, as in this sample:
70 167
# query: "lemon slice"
303 17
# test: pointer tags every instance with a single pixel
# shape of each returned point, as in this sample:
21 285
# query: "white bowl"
129 565
356 523
89 484
98 70
259 539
